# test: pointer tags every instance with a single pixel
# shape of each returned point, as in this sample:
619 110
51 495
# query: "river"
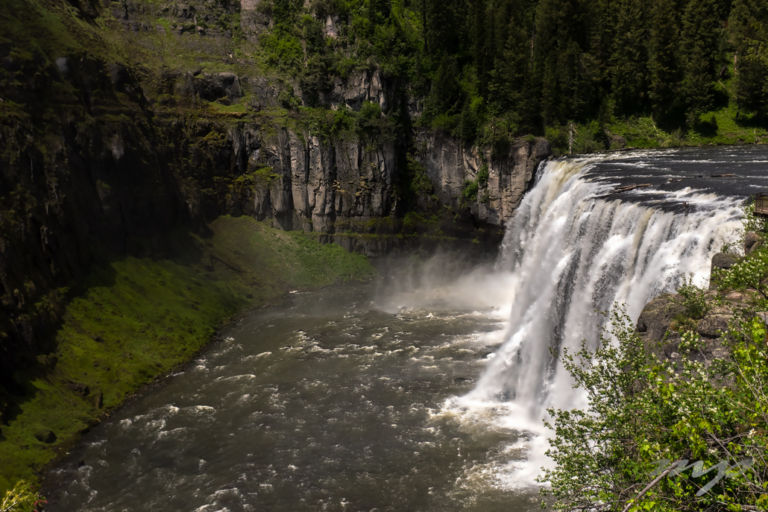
426 389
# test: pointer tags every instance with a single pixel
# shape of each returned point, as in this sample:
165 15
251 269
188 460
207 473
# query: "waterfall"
574 250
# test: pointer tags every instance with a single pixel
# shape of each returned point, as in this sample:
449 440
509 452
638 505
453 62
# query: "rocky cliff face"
101 158
490 185
708 313
295 179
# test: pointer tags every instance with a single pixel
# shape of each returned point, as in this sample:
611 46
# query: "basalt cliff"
122 122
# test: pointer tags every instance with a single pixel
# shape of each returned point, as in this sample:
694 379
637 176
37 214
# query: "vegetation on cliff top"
137 318
643 74
650 418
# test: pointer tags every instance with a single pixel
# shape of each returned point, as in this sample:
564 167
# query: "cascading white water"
573 253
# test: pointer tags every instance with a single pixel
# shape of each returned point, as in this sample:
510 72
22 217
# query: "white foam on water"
569 256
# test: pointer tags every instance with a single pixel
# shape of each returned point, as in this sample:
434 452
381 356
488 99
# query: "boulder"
752 241
713 325
720 261
658 315
724 260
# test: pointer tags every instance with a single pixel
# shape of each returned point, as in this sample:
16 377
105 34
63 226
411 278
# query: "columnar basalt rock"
451 167
104 158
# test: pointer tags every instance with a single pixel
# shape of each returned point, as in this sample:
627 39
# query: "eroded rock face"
313 185
658 315
710 315
501 181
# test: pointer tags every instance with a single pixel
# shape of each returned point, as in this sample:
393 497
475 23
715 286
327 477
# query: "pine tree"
628 62
378 12
514 22
561 37
664 71
748 30
699 49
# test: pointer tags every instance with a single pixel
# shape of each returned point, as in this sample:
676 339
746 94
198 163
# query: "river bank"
138 318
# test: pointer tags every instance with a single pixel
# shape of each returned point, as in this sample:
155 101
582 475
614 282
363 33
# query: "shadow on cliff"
17 385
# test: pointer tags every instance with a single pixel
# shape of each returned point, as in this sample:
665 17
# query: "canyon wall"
103 157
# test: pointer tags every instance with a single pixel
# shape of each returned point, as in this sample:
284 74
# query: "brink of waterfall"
581 244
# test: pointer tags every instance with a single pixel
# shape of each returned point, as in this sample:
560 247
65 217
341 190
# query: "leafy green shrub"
694 300
469 194
751 221
369 118
22 498
283 50
643 413
751 272
420 184
482 175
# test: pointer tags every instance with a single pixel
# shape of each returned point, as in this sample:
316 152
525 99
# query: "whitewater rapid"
426 389
577 248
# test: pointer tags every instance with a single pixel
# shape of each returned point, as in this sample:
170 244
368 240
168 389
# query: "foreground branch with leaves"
643 411
682 433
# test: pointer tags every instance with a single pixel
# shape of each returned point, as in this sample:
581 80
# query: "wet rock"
723 260
657 316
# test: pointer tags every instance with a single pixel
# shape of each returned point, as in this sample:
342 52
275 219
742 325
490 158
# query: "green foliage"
664 65
469 193
748 30
753 222
138 318
283 50
629 61
423 225
694 300
643 411
699 45
420 184
22 498
599 441
482 175
751 272
369 118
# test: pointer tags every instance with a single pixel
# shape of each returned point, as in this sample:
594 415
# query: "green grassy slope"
138 318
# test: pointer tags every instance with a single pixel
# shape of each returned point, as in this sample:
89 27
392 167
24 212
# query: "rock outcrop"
665 318
710 313
500 181
102 158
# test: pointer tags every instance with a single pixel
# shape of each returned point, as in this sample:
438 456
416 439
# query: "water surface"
331 402
427 390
